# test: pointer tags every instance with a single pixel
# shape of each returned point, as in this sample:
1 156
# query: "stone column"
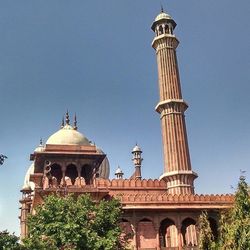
63 169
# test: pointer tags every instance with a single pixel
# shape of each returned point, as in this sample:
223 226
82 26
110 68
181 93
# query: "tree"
75 223
2 158
206 238
8 241
235 224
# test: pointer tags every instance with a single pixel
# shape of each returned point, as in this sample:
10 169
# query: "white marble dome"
162 15
67 135
27 183
136 149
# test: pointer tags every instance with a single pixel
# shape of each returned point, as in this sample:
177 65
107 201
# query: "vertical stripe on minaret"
177 165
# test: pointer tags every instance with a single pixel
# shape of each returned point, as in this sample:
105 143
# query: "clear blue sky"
95 58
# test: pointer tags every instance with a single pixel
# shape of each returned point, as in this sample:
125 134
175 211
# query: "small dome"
118 171
162 15
67 135
40 148
27 183
136 149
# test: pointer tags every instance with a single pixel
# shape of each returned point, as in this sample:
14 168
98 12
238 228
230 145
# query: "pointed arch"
71 172
146 234
56 172
188 231
168 233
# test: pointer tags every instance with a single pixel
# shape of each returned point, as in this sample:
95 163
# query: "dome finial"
162 10
75 122
62 125
67 118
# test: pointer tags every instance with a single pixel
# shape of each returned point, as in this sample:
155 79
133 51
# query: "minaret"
119 173
177 166
137 160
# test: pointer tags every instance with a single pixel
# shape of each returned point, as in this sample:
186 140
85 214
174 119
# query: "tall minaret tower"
177 166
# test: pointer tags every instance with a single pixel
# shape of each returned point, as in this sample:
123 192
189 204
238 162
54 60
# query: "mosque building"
159 214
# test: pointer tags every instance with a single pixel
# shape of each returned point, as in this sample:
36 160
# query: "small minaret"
137 160
118 173
177 166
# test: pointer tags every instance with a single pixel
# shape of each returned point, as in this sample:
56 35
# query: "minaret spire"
177 165
67 118
62 125
75 122
162 10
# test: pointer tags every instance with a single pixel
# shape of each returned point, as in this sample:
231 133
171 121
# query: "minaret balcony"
171 106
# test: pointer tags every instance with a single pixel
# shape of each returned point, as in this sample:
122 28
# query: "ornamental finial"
67 118
62 125
162 10
75 122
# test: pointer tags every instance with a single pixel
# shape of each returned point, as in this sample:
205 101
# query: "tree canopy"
206 238
75 223
235 223
8 241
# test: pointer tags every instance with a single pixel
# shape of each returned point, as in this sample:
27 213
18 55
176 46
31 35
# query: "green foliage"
206 238
235 224
75 223
8 241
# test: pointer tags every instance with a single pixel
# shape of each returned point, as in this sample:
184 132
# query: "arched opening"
86 173
146 234
168 234
56 172
160 30
71 173
214 227
166 29
127 231
188 231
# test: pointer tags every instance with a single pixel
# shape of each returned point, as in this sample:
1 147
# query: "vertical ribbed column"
171 107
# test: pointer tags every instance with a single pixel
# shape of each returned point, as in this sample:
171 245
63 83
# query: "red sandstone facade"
159 214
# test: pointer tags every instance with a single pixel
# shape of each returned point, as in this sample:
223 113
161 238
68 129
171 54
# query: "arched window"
160 30
188 230
86 173
71 172
146 234
168 234
166 29
56 172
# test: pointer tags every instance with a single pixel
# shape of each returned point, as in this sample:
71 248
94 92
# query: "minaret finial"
75 122
62 125
67 118
162 10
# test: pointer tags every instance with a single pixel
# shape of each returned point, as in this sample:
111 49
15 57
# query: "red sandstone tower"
177 166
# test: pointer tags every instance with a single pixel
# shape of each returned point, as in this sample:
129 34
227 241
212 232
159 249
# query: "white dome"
136 149
68 136
162 15
27 183
40 148
118 171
